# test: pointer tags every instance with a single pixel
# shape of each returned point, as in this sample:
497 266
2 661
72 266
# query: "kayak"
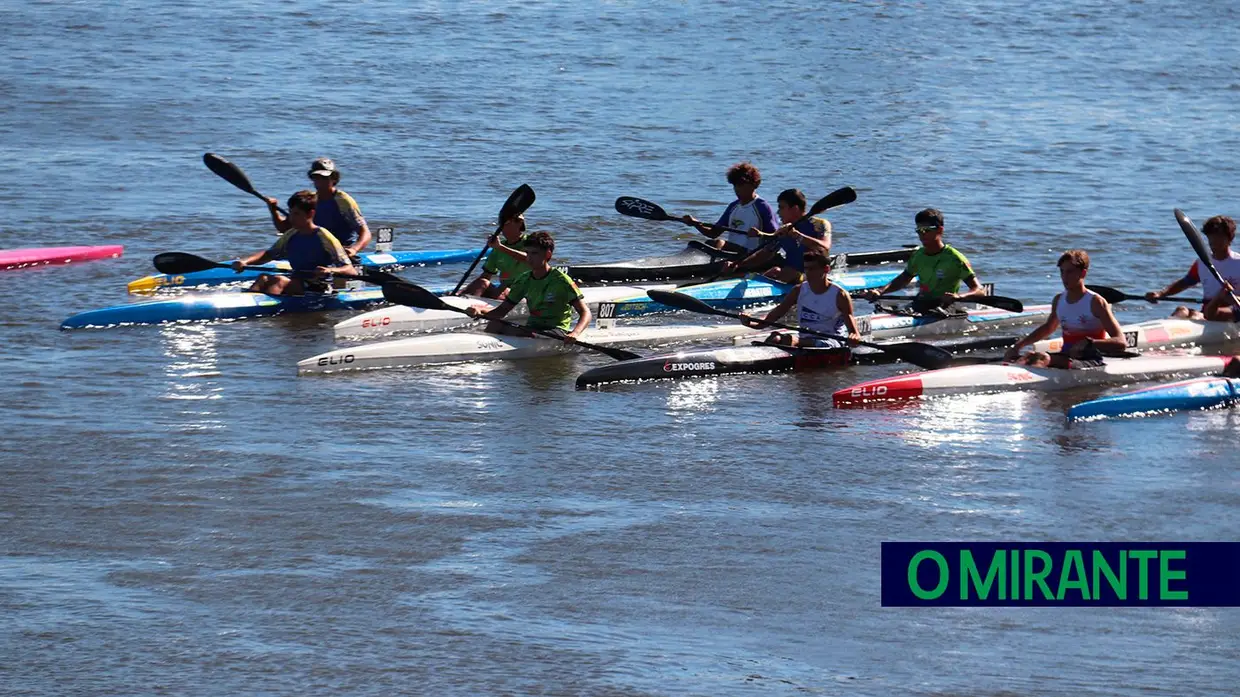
758 358
372 261
740 292
221 305
698 260
455 347
1165 333
44 256
1186 395
1004 377
400 318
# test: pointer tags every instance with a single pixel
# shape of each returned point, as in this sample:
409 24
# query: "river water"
181 515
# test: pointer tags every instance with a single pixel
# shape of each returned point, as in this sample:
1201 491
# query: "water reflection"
191 371
693 396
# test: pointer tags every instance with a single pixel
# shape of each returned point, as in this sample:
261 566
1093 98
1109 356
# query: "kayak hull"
1186 395
456 347
219 306
396 319
737 293
1165 333
11 259
373 261
1005 377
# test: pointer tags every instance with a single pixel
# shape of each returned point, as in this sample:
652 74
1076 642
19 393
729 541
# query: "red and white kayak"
46 256
1005 377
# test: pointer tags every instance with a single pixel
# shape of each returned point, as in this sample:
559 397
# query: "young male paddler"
938 267
821 306
1089 326
549 293
507 259
1220 232
312 252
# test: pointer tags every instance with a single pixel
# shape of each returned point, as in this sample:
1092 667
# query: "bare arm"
363 241
1039 333
281 223
844 304
583 318
1115 341
777 313
975 290
897 283
1176 286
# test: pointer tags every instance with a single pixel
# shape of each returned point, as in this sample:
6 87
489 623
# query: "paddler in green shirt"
507 258
939 269
549 293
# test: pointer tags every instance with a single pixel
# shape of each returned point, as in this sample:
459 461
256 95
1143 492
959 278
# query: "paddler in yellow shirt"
507 259
549 293
938 267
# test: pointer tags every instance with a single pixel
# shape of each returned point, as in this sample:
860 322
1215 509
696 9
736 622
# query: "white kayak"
400 318
1165 333
1005 377
455 347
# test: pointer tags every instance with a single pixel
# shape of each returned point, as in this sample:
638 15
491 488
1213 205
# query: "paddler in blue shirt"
336 211
312 252
811 234
748 212
821 306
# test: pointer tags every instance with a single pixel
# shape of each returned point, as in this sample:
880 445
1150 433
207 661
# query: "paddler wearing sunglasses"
821 306
938 267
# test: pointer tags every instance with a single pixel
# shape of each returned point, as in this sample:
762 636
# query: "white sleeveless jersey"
1077 319
820 311
1229 269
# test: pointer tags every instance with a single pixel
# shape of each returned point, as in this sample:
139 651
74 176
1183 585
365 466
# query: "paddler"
549 293
794 240
1089 326
821 306
507 258
1220 232
748 212
311 250
336 211
938 267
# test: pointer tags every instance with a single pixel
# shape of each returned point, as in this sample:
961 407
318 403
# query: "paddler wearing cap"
938 267
821 305
1220 232
507 259
1089 327
336 211
312 252
549 293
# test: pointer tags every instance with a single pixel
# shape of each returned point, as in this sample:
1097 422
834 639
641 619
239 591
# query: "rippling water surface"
182 515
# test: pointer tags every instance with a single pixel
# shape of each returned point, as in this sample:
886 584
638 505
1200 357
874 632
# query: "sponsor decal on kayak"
868 392
1131 339
336 360
370 323
674 367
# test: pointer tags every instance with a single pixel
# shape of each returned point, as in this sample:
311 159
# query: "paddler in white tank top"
1220 232
1089 327
821 305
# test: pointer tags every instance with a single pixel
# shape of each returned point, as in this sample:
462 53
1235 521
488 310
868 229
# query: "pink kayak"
42 256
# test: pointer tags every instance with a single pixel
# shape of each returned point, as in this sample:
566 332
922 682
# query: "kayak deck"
222 305
1186 395
11 259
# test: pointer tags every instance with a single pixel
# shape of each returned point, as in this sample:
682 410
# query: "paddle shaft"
618 354
1203 253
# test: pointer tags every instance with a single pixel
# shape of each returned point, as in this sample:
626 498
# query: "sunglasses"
927 228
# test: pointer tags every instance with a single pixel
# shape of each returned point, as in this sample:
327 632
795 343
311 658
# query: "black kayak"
759 358
698 260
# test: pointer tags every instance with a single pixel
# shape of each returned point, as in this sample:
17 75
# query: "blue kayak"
1194 394
740 292
377 260
218 305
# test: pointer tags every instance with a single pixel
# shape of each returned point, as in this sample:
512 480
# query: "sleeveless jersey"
1077 320
820 311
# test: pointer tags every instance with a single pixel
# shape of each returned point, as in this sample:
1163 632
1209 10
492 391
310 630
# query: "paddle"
181 263
924 355
999 301
1203 252
518 202
647 210
836 198
233 175
406 293
1112 295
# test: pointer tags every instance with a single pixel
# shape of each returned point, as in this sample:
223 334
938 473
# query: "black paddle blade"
1196 240
684 302
618 354
406 293
519 201
1000 302
228 172
926 356
1112 295
838 197
641 208
180 263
